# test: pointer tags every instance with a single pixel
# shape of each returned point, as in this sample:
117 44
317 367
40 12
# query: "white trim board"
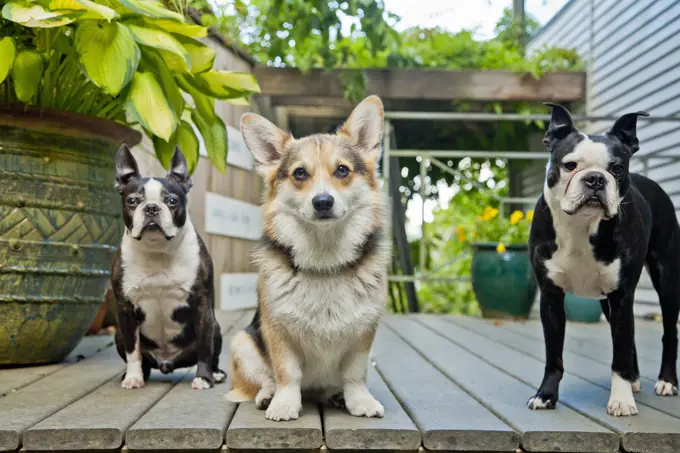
238 291
226 216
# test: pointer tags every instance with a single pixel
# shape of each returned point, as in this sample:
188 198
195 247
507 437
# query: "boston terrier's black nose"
323 202
594 180
151 209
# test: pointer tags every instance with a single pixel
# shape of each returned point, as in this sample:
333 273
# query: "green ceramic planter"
580 309
504 283
59 227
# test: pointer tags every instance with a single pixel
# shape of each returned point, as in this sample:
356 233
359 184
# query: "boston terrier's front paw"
539 402
200 383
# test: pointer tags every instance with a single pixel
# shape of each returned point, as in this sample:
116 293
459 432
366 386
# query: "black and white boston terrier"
162 277
594 228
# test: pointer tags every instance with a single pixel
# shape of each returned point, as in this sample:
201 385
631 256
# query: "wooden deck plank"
394 432
649 431
186 419
84 424
13 379
587 368
559 430
448 418
32 404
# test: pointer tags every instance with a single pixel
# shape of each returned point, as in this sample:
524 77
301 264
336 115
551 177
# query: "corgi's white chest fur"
325 316
159 284
573 266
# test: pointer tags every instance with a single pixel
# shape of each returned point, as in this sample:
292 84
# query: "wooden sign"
234 218
238 291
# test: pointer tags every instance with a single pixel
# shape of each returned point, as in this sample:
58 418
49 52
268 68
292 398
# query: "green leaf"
164 149
160 40
95 10
27 72
108 53
204 104
225 84
170 88
244 102
151 9
148 105
201 56
188 143
8 51
34 15
214 135
170 26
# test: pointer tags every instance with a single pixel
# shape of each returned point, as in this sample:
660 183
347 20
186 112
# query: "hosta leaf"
239 101
225 84
164 149
34 15
170 88
184 137
95 10
148 105
160 40
27 72
214 135
151 9
204 104
201 56
171 26
8 51
108 53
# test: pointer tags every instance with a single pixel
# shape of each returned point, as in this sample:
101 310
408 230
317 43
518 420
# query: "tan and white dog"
322 267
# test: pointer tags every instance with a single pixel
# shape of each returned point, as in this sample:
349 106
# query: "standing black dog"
162 278
594 228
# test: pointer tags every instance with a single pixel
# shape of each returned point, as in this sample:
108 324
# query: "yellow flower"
530 215
489 213
515 217
500 248
461 233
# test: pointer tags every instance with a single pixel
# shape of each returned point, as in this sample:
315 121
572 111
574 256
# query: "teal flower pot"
581 309
504 283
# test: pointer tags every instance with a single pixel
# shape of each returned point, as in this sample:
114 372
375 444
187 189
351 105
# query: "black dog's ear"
625 129
126 167
179 170
560 126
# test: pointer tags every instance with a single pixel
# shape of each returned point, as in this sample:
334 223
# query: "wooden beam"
428 84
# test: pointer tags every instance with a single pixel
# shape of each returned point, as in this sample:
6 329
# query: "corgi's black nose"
323 202
151 209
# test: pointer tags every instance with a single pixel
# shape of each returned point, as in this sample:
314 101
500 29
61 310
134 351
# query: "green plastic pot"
59 228
504 283
581 309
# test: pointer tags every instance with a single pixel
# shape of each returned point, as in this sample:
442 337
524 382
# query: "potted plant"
582 309
502 277
75 77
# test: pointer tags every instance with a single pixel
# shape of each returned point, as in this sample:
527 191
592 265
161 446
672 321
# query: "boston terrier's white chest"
159 287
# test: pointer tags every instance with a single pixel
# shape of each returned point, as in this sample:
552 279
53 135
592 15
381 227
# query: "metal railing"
433 158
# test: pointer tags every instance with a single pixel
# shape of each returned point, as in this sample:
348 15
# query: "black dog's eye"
172 201
570 166
617 169
342 171
132 201
300 174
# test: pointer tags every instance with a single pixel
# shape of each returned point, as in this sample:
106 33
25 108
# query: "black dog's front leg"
554 322
624 370
205 344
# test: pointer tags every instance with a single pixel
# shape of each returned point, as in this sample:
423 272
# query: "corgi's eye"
342 171
132 201
570 166
300 174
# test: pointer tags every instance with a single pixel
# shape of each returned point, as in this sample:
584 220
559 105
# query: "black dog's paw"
540 401
219 376
201 383
337 401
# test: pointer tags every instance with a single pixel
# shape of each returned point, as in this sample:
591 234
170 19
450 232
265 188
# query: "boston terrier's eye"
132 201
569 166
617 169
172 201
300 174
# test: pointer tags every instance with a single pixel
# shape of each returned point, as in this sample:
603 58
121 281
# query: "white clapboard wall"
633 54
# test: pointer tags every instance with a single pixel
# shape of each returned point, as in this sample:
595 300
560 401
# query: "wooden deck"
447 384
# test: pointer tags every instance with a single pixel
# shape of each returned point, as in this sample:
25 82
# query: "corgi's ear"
265 141
364 127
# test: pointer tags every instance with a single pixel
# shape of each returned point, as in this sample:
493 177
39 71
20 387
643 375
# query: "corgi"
322 266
